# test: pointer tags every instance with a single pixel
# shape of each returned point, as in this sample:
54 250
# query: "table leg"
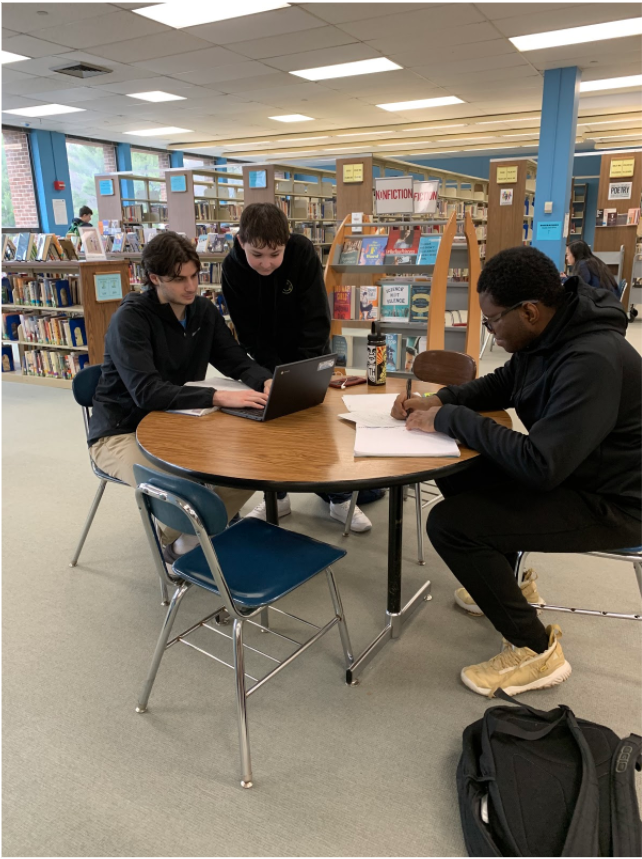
395 615
271 516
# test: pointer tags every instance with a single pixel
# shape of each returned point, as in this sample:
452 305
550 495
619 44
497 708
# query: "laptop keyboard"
254 414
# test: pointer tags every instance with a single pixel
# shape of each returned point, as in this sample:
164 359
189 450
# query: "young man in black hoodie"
274 288
83 219
570 484
157 341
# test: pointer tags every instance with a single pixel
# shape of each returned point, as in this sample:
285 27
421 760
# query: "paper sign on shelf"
622 167
567 219
620 190
505 196
353 172
506 174
394 195
549 230
106 187
59 206
357 221
425 196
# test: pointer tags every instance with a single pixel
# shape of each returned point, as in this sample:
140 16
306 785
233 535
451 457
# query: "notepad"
379 403
220 383
371 419
398 441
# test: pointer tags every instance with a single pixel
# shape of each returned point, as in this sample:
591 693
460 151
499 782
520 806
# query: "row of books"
446 208
390 301
401 350
315 233
613 218
53 364
47 330
210 272
43 291
214 243
302 208
402 245
221 211
27 247
137 213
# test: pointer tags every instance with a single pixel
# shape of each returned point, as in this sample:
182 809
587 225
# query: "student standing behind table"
591 269
157 341
273 285
571 484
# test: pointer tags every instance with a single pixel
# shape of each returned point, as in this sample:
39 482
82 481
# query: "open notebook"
220 383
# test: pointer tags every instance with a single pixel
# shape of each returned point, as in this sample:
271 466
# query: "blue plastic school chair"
83 387
249 566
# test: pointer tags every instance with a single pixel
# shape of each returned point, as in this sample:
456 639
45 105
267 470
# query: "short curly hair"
264 225
165 255
519 274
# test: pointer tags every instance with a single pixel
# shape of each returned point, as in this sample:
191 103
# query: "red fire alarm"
59 186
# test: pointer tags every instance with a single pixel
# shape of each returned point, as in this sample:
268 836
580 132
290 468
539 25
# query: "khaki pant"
117 455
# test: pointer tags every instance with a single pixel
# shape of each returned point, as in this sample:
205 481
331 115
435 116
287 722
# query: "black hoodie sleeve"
231 359
129 343
581 411
489 393
313 306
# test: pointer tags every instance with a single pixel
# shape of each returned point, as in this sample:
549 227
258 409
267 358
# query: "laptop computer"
295 387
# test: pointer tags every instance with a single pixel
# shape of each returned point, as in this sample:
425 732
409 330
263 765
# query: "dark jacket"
149 356
284 317
577 389
593 279
76 224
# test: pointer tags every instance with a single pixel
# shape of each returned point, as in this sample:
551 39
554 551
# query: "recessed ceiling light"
159 132
181 15
345 70
430 127
44 110
611 83
422 102
299 139
155 95
8 57
365 134
292 117
577 35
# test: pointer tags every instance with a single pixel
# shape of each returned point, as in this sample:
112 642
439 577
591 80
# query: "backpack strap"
626 829
499 693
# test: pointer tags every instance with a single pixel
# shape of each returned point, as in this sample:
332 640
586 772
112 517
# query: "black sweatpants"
486 518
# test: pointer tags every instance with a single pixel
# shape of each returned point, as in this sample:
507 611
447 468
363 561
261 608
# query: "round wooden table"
309 451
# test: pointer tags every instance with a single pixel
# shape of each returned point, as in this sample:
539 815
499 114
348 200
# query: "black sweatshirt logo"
288 288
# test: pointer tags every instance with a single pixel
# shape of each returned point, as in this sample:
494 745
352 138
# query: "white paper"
221 383
371 419
60 211
380 441
381 404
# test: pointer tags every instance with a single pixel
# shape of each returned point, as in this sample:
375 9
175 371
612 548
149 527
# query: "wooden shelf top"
61 346
74 308
47 265
47 381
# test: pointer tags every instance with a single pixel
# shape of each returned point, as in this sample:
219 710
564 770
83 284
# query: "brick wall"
23 197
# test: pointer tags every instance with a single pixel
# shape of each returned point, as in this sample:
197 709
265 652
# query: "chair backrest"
84 385
443 367
621 287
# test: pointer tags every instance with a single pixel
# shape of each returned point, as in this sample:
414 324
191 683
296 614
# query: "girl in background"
591 269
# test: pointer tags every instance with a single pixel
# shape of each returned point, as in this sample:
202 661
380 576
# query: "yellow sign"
622 167
353 172
506 174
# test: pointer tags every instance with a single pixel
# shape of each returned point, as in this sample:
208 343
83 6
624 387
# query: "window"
190 162
19 207
85 161
148 163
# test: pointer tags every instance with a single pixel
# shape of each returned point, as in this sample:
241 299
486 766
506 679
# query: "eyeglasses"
488 323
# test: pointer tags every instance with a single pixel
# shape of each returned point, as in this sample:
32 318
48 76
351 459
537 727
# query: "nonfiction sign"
394 195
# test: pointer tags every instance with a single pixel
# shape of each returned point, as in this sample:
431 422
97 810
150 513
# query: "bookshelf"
144 208
203 200
309 203
452 289
577 210
96 287
511 201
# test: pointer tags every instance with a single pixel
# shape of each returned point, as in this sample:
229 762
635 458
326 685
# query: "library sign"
402 195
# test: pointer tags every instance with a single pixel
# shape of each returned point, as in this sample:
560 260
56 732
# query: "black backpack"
536 783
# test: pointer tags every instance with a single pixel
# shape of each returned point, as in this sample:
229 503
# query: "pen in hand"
408 388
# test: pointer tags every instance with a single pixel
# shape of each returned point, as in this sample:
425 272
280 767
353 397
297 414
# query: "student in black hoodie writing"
570 484
157 341
273 285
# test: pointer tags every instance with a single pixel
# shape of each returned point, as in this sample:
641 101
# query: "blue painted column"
49 162
555 160
124 162
176 159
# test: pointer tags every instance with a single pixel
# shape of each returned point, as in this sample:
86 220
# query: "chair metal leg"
90 518
353 504
170 617
487 337
420 530
164 594
519 566
343 626
241 705
637 566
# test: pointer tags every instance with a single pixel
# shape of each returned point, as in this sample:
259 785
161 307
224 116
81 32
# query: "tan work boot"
528 586
519 669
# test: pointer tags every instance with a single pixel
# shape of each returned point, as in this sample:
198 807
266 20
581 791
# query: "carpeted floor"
339 771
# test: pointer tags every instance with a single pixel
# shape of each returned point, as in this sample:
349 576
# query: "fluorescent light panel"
473 139
159 132
300 139
155 95
507 121
44 110
180 15
577 35
421 103
292 117
608 121
611 83
9 57
346 70
344 148
405 143
613 136
365 133
431 127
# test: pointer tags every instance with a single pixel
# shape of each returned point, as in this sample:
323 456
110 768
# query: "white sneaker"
282 505
360 521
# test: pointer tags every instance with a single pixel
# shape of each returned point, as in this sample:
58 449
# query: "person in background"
158 340
273 286
83 220
571 483
592 270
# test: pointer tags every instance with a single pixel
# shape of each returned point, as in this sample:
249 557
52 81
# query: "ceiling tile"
151 47
557 19
280 94
29 17
570 55
401 80
275 79
306 40
448 37
11 76
86 33
7 34
77 95
467 65
190 61
36 85
416 56
220 74
30 47
338 13
312 59
448 79
497 11
274 23
423 20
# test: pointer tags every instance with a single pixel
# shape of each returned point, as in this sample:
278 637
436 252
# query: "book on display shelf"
414 345
395 302
7 359
343 346
393 348
373 249
403 245
344 302
419 302
350 252
369 302
633 217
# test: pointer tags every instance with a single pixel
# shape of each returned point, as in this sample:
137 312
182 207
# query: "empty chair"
249 566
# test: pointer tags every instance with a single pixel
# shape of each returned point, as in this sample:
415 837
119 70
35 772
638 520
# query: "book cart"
101 286
446 294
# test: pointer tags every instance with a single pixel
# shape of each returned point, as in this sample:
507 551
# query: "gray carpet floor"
339 771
